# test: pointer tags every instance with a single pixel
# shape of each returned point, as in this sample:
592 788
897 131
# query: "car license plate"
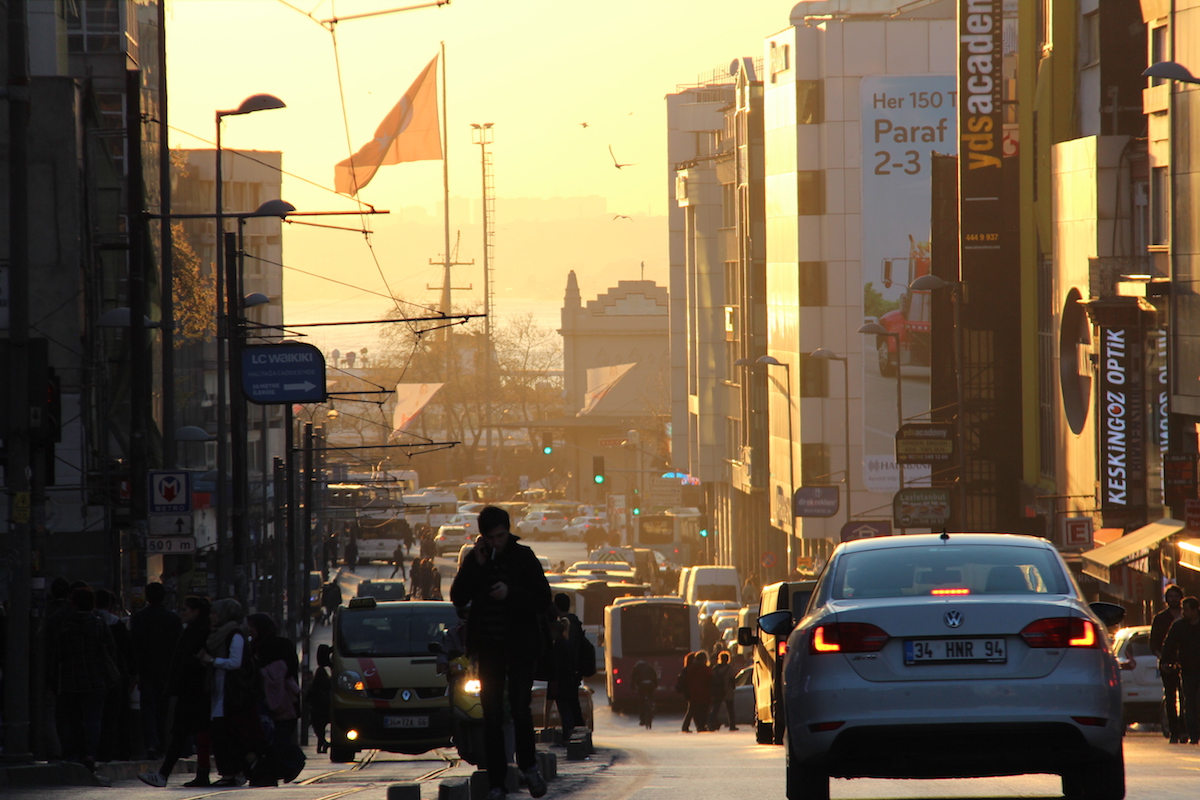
406 722
943 651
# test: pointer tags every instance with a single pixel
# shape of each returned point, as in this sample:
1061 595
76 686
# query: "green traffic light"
637 511
704 533
547 449
599 479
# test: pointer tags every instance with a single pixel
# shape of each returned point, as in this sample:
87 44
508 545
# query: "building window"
810 185
1160 49
780 59
728 205
812 283
1160 201
1089 45
814 464
814 376
94 26
810 105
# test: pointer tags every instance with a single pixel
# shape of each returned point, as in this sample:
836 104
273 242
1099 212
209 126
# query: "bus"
371 514
674 533
589 598
657 630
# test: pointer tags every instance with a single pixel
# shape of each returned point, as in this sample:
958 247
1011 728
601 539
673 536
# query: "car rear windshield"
948 570
388 631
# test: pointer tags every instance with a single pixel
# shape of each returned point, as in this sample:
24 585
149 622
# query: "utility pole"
17 437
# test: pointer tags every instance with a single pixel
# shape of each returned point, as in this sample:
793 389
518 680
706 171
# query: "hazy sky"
534 68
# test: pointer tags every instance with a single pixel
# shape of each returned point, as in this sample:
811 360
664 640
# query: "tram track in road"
366 759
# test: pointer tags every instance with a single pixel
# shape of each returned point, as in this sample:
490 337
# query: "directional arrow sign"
289 372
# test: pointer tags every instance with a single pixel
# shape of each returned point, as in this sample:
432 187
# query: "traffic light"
703 526
547 442
598 469
637 501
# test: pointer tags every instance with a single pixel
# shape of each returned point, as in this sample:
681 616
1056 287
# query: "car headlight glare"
473 686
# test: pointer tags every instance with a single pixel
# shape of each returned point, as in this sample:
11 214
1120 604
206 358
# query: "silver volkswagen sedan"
951 656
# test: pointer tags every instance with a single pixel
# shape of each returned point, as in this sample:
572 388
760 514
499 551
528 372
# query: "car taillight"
1062 632
847 637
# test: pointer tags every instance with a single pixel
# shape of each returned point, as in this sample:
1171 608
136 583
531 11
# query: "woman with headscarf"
275 658
223 654
187 682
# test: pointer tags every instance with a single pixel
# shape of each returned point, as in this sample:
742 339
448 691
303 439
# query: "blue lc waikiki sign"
290 372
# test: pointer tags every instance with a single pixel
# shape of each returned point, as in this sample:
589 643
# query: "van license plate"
942 651
406 722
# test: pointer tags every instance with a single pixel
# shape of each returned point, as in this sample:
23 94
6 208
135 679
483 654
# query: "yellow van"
387 694
768 656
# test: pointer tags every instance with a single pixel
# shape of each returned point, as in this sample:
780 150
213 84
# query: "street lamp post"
875 329
772 361
229 556
930 282
482 135
829 355
1173 71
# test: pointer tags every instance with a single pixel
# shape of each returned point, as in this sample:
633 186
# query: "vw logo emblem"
953 619
406 695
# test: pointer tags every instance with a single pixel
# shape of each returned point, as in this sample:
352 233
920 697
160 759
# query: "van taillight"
1062 632
847 637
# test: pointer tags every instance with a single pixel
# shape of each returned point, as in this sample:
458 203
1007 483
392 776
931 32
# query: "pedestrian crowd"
1175 640
707 690
157 684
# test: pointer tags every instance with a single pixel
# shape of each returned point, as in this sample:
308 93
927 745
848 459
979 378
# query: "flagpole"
445 207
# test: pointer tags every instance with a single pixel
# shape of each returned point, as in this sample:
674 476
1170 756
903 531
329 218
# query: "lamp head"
257 102
874 329
1171 71
274 208
928 283
255 299
770 361
826 353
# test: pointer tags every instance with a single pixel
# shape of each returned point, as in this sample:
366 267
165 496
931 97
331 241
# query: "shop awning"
1099 562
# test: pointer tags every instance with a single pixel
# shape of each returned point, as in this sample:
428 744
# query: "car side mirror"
1109 613
777 623
746 637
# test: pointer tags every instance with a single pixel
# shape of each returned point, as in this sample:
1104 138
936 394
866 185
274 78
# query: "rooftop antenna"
945 537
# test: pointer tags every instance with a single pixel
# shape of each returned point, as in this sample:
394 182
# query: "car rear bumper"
959 750
969 728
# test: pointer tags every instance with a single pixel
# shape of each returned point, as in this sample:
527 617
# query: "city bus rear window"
655 629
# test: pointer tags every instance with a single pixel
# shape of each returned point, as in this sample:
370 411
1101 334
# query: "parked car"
1141 683
542 523
768 654
951 656
582 529
743 697
600 570
451 538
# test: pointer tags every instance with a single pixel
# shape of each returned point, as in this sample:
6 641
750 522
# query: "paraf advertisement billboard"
905 118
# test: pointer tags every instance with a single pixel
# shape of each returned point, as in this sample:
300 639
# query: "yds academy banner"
905 118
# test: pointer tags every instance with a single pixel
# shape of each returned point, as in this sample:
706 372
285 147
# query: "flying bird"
583 124
622 216
616 163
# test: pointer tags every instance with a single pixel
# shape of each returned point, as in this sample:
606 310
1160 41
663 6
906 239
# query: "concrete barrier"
455 789
409 790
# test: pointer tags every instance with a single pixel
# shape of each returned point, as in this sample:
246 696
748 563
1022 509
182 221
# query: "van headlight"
350 681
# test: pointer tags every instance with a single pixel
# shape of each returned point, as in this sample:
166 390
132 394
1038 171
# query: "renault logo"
953 619
406 695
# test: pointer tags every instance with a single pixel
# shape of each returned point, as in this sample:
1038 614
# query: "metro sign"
169 492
